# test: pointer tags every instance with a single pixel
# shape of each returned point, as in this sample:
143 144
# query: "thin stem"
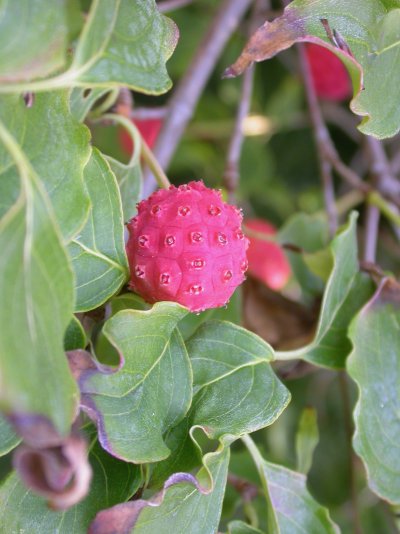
231 174
187 94
322 139
154 166
371 233
355 507
377 200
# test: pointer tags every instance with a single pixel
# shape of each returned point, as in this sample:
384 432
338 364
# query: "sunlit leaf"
57 147
33 38
36 285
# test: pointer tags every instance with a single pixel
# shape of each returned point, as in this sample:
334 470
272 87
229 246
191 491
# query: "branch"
184 100
170 5
322 140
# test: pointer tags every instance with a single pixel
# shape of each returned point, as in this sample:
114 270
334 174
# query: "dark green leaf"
375 365
236 392
151 391
98 252
22 511
75 336
36 285
57 147
179 508
346 291
8 438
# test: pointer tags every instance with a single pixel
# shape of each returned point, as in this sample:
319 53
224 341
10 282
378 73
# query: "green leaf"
235 392
186 510
122 43
307 438
98 253
75 336
8 438
36 285
150 392
238 527
57 147
23 511
293 509
310 234
375 366
82 100
346 291
33 38
368 27
129 176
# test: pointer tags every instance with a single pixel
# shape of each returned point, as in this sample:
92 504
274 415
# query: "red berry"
267 261
330 77
186 245
149 130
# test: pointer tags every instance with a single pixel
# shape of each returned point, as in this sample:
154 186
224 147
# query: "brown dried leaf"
268 40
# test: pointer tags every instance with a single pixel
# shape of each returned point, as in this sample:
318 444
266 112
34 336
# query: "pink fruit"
330 77
267 261
149 130
186 245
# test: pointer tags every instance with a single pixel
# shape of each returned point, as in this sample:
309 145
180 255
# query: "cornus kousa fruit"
329 75
186 245
267 261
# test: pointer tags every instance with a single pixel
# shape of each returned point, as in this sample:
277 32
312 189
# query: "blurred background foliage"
278 178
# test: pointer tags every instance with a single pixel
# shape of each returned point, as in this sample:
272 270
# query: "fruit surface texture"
186 245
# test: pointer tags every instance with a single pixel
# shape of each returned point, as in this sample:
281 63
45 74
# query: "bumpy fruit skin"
186 245
330 77
267 261
149 130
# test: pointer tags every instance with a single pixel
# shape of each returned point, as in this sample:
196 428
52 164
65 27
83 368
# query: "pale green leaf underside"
23 511
33 38
57 147
151 392
98 252
295 509
36 306
375 365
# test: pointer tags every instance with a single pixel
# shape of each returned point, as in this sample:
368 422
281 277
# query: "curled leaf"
52 466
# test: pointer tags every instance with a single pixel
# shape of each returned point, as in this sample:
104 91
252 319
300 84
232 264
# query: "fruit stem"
375 199
154 166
